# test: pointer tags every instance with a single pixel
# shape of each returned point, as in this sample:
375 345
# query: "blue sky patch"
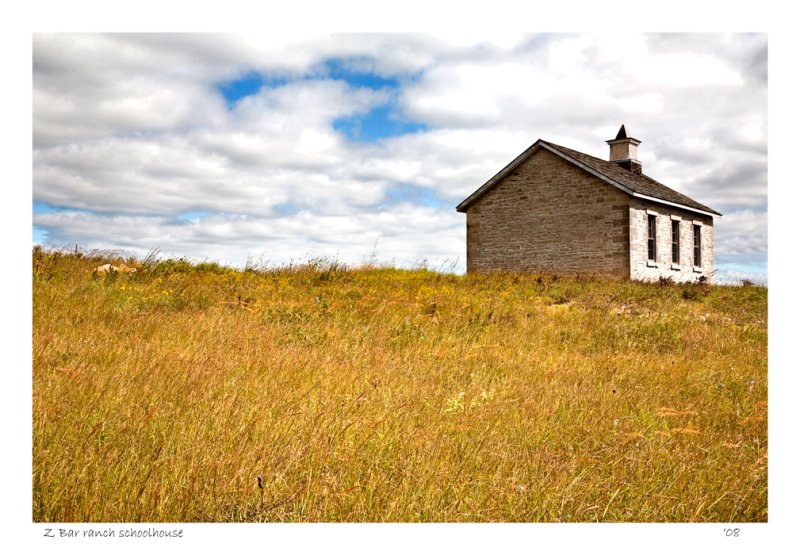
40 207
381 122
246 85
746 268
189 216
407 192
378 123
286 209
39 235
345 70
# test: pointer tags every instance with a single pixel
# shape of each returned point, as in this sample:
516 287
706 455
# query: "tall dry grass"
385 395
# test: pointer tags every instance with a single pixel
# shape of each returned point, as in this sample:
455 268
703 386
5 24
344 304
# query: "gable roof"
636 185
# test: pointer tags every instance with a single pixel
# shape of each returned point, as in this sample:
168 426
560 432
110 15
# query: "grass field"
378 394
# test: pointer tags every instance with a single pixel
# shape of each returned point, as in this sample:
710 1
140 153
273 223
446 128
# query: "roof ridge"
573 150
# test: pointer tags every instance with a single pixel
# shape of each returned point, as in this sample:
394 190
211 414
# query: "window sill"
651 264
697 269
676 266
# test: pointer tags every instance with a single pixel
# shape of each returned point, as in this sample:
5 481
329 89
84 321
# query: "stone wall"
549 216
642 269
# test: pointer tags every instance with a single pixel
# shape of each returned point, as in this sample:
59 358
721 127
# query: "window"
676 242
697 261
651 237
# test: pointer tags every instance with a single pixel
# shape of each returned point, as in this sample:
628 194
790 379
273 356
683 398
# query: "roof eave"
711 213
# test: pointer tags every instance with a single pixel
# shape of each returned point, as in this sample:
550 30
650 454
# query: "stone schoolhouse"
556 210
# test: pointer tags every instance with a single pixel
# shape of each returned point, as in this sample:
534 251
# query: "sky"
257 149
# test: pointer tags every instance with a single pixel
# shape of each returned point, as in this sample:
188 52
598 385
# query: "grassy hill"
379 394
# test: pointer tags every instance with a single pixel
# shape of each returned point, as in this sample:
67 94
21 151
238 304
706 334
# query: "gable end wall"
549 216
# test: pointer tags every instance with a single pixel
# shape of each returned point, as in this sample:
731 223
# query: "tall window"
676 242
651 237
697 246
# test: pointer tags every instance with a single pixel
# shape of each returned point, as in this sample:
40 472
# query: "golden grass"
378 394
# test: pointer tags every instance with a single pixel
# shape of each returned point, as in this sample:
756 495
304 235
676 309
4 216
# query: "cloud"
404 234
745 51
274 147
740 237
